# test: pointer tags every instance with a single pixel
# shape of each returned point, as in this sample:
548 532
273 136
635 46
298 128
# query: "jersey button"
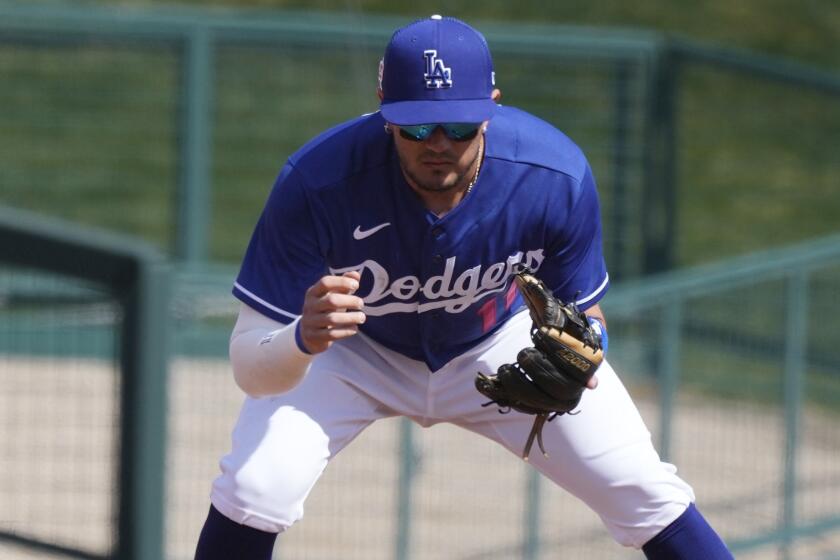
437 232
437 258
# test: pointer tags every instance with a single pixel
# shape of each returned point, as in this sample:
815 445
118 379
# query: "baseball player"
379 282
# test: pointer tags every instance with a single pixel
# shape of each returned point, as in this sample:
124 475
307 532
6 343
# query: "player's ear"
496 95
379 93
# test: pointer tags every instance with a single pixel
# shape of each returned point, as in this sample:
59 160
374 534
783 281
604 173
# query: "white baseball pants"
603 454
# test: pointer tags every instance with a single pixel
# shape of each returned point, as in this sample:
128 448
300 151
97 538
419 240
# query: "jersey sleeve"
284 257
574 266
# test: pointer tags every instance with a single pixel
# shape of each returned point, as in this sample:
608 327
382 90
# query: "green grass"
759 165
88 134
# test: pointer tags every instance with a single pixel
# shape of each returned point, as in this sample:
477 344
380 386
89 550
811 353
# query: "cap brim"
427 111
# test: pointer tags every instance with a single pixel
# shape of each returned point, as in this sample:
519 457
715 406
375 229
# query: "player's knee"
260 503
643 506
277 493
277 500
645 524
266 490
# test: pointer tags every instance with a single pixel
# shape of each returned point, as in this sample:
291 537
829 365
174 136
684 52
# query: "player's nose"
437 141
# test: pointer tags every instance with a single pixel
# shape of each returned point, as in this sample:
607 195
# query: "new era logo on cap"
437 69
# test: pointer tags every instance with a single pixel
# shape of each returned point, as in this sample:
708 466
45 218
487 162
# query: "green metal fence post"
659 194
670 337
796 337
139 277
408 460
194 186
619 195
531 546
144 356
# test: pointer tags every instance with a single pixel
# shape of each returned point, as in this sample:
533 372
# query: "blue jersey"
433 287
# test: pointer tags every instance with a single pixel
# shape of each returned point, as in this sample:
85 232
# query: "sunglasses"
460 132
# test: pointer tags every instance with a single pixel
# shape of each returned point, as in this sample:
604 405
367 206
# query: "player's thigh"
603 454
282 444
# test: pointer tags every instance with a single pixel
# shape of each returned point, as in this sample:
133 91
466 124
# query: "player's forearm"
264 355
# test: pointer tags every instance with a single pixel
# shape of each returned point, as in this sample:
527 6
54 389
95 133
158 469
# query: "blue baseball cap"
437 70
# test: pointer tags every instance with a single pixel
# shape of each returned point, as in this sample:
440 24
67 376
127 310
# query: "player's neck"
440 203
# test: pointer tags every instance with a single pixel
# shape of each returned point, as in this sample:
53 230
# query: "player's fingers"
353 275
331 302
346 318
335 300
330 311
338 334
336 319
326 284
319 339
592 383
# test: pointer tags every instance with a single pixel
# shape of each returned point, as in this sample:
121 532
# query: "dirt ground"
58 420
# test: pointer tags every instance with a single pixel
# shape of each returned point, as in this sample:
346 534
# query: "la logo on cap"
437 75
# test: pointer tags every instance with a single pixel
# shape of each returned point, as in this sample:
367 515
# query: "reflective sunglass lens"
453 131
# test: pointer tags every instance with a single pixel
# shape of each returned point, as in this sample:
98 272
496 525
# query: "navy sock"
223 539
689 537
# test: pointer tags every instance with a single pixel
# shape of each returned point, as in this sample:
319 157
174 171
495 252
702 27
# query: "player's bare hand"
331 311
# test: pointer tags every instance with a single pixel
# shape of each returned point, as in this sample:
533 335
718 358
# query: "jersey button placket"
437 233
430 320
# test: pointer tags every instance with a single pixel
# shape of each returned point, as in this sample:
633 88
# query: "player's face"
438 163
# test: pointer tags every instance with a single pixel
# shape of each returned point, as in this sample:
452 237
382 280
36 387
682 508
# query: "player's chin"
439 182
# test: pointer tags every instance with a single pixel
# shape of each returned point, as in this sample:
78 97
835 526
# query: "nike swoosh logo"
358 234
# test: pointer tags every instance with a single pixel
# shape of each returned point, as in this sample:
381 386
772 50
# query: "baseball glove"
548 379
